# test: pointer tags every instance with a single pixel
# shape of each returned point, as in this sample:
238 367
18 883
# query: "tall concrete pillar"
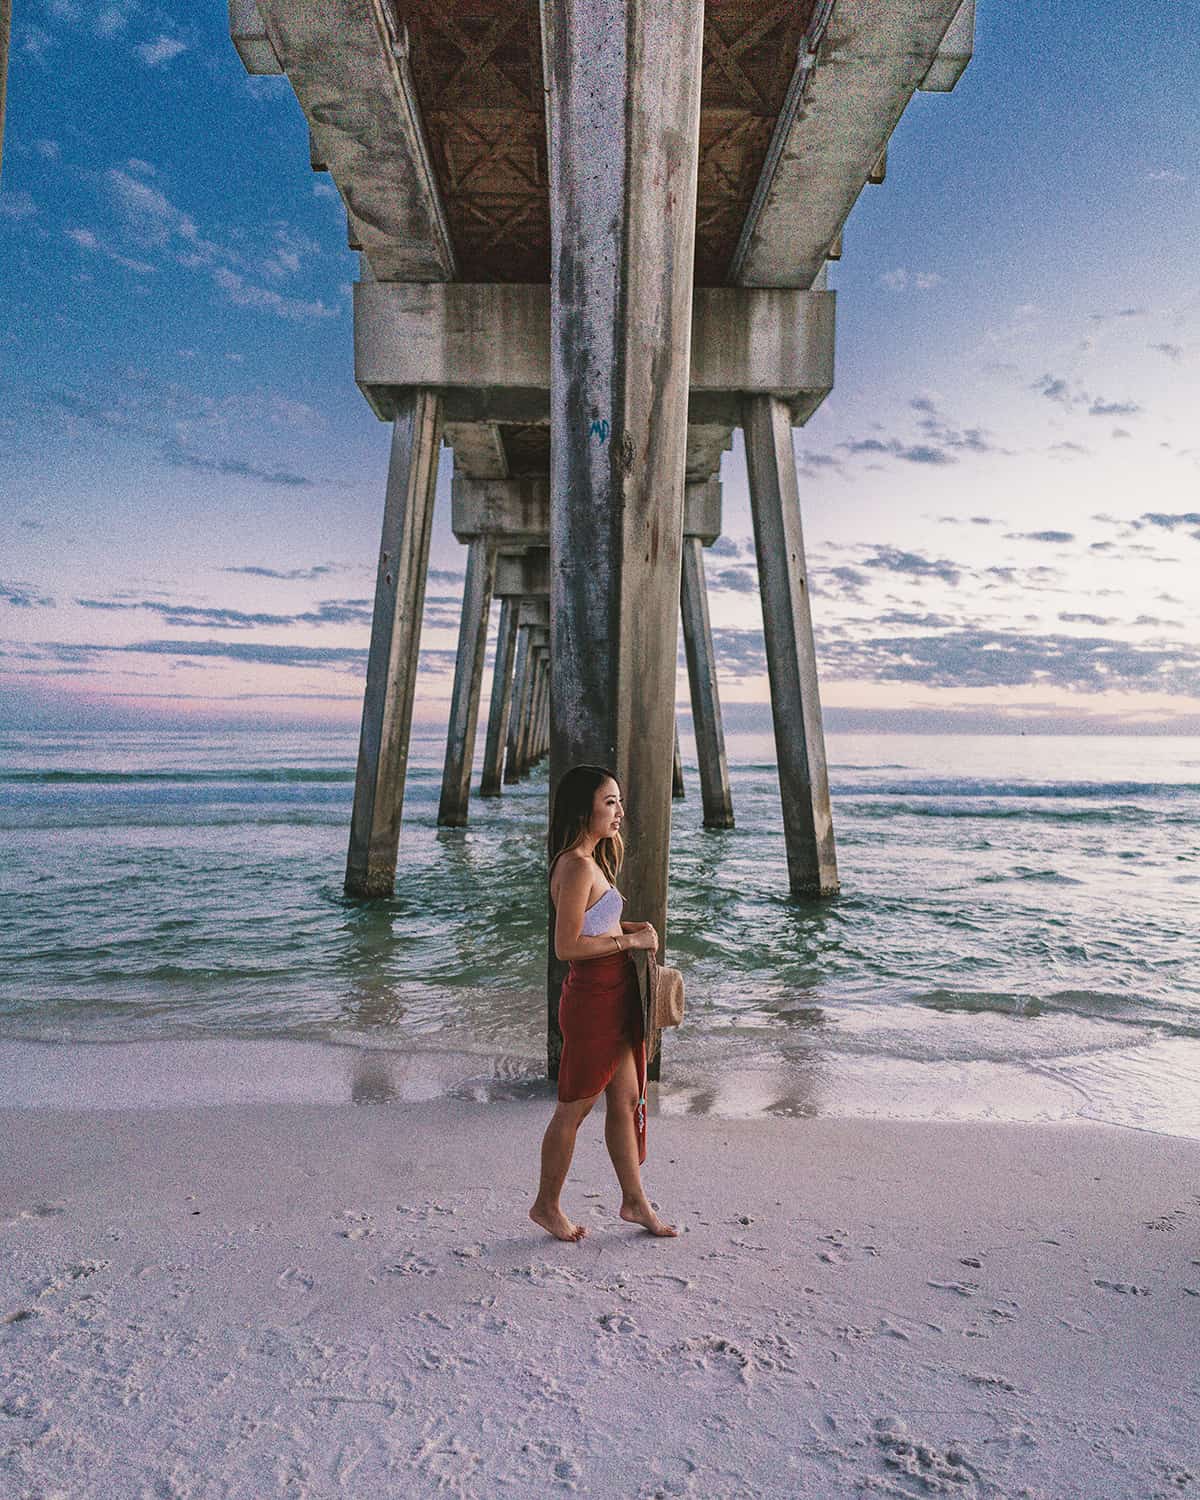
468 675
538 650
498 712
702 678
623 107
791 656
395 641
512 755
677 787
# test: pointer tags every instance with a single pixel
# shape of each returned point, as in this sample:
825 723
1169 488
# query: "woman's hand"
643 935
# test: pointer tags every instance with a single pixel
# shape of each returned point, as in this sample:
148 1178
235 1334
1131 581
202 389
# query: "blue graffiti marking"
600 429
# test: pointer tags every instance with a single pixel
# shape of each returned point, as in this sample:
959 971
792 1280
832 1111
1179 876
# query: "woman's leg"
558 1146
620 1136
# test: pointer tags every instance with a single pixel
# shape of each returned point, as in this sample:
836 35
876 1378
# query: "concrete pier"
715 795
395 641
791 655
591 276
468 676
500 707
678 790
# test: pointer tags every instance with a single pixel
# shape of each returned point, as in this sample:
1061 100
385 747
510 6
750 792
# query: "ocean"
1017 936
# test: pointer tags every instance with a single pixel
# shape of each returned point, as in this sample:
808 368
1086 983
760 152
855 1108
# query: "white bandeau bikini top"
600 916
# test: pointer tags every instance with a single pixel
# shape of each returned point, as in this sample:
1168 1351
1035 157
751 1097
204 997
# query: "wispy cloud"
289 575
162 50
22 596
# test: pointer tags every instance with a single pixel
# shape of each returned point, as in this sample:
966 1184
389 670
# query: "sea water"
1017 934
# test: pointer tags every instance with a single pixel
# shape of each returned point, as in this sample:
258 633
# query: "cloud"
22 596
113 19
1185 520
48 150
161 51
1114 409
974 657
1081 619
913 564
179 457
18 205
219 617
241 294
1123 312
1039 536
1172 351
742 578
901 279
1166 174
87 240
290 575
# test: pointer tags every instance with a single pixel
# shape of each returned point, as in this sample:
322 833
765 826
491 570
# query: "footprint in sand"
959 1288
296 1278
411 1264
37 1211
359 1227
1126 1287
918 1468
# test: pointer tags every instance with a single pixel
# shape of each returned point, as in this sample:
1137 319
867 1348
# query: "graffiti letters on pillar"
600 429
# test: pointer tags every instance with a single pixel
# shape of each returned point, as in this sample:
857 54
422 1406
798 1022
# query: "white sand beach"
281 1299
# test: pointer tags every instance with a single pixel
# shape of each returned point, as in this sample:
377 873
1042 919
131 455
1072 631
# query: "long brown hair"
572 813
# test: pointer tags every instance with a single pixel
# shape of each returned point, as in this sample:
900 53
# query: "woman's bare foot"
641 1213
556 1223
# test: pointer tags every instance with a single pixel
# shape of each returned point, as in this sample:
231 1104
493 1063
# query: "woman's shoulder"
572 867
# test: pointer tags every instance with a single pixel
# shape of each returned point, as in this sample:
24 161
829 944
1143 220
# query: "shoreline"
1152 1086
324 1300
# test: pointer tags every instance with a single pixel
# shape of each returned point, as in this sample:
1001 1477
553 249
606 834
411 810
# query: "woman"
599 1012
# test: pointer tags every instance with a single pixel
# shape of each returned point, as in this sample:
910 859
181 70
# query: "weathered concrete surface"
516 714
624 102
523 576
5 32
468 676
514 510
715 795
350 74
954 54
487 348
791 655
873 56
678 790
395 640
501 704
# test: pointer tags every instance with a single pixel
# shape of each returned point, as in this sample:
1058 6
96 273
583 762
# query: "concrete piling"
512 770
624 104
715 793
501 703
791 655
395 641
468 675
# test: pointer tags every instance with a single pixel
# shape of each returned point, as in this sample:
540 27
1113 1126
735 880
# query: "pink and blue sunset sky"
1001 497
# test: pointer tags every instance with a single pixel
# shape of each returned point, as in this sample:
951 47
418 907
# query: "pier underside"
594 236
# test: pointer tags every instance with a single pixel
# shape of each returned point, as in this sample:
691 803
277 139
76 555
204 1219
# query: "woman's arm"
574 881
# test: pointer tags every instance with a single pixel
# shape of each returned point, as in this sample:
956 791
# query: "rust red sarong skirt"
599 1015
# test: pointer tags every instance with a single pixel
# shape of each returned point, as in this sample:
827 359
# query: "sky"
1001 496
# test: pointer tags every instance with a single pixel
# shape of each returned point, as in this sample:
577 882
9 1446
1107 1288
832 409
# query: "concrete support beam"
524 575
249 36
5 33
478 449
395 641
468 675
871 57
512 769
791 656
539 647
715 793
958 46
513 511
678 790
623 81
501 704
487 348
348 65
